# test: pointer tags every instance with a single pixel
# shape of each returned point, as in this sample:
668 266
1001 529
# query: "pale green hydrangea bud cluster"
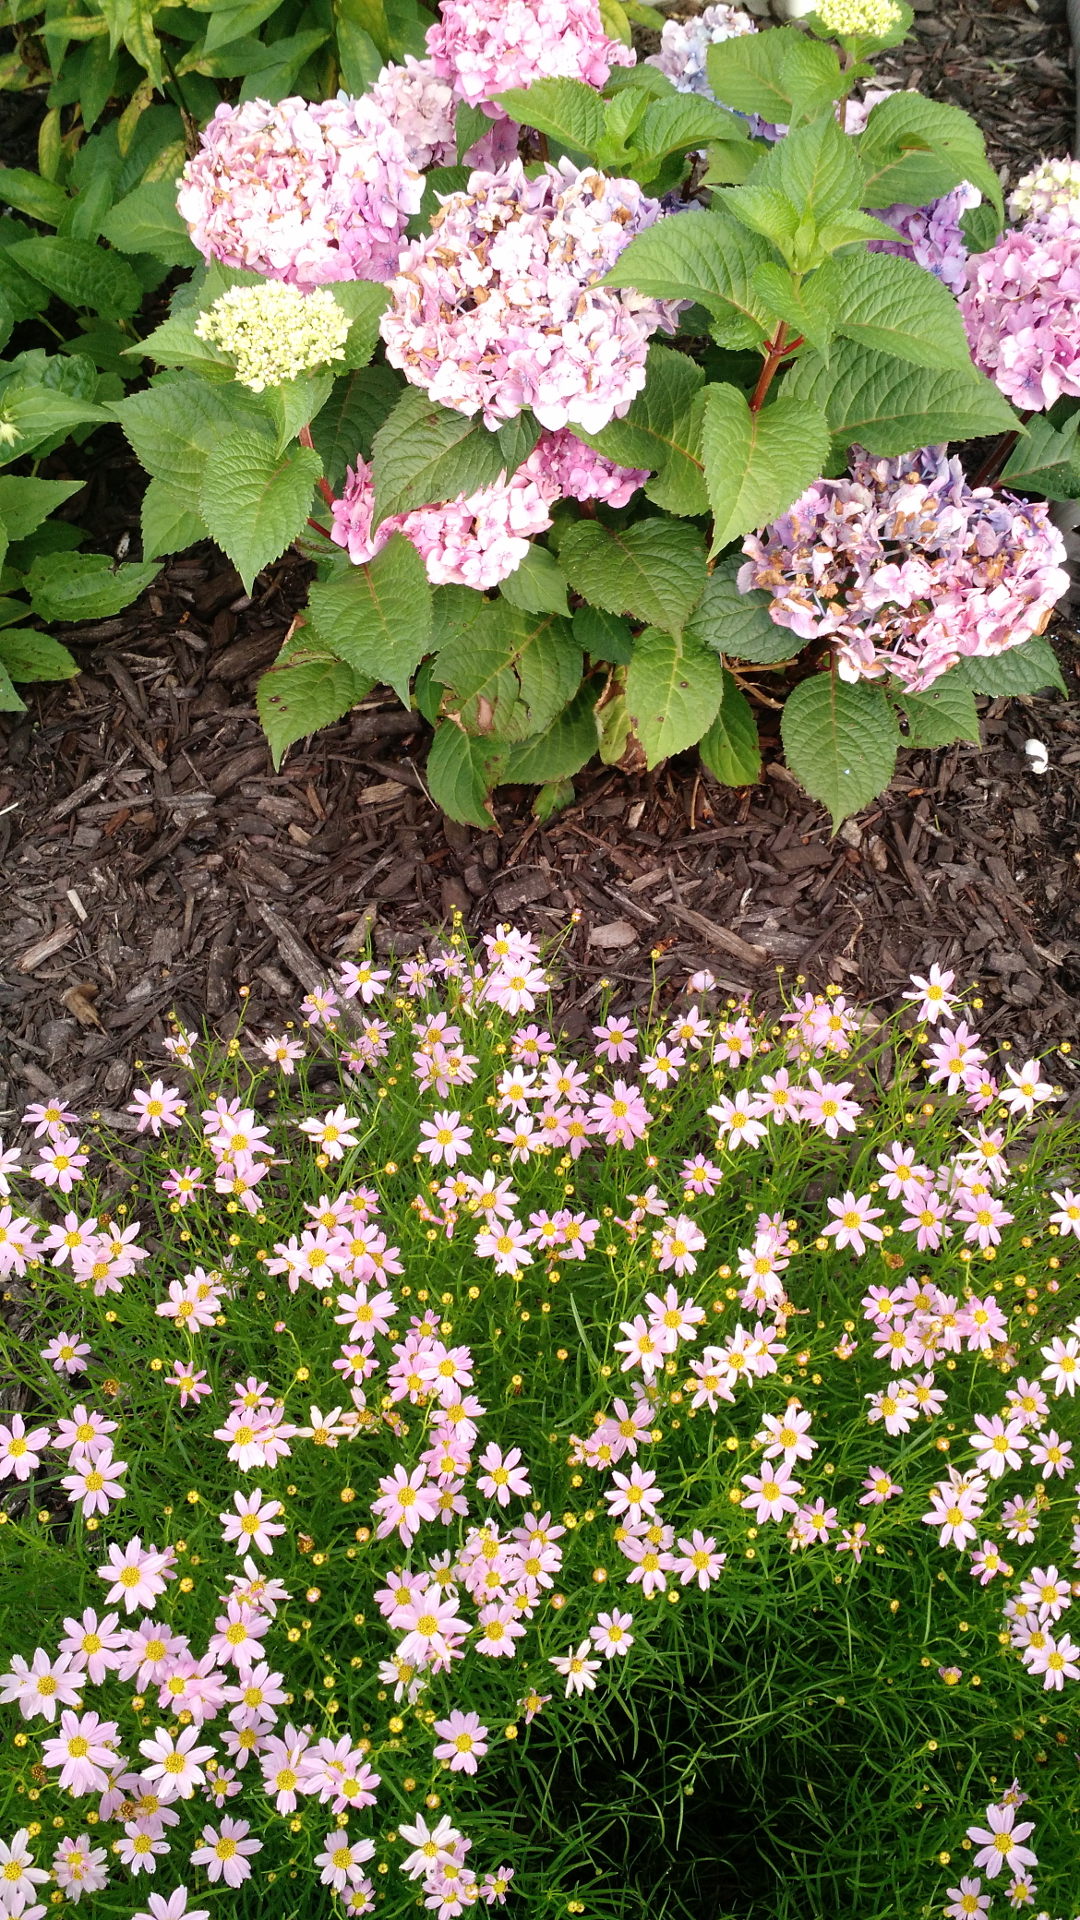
275 331
1054 183
872 18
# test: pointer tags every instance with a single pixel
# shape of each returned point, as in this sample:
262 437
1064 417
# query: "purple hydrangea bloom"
684 46
932 235
907 569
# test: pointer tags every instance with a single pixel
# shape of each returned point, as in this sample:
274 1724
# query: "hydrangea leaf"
377 616
1047 460
674 687
292 404
30 655
944 713
662 431
738 624
25 503
346 426
566 746
26 191
364 303
172 428
756 464
148 221
895 306
538 585
603 636
510 673
1029 668
653 570
730 749
37 413
168 522
425 453
915 150
707 257
81 274
673 124
517 438
881 403
460 775
809 308
840 740
299 698
10 701
83 586
255 500
565 110
783 75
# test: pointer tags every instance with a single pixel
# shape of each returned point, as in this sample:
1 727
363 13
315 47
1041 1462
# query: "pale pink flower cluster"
420 104
497 308
478 539
684 46
1022 312
308 194
907 568
484 47
1049 195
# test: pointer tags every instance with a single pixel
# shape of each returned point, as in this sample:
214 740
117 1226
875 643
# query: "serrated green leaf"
295 403
275 79
25 503
425 453
148 221
894 306
81 274
29 655
756 464
731 749
176 344
10 701
470 125
1029 668
603 636
457 776
358 57
707 257
565 110
980 227
810 308
916 150
1046 460
363 302
875 401
230 23
816 166
840 742
653 569
554 795
782 75
662 431
255 500
168 523
377 616
566 746
84 586
37 413
173 428
674 124
346 426
538 585
673 692
946 712
517 438
738 624
294 701
510 673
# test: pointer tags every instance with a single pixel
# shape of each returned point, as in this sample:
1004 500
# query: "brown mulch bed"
155 861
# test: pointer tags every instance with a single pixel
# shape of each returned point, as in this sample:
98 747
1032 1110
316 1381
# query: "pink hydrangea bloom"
484 46
497 308
420 105
473 541
932 235
907 568
307 194
1022 313
581 474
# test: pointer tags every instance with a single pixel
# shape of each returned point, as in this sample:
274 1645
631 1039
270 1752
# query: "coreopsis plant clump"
459 1446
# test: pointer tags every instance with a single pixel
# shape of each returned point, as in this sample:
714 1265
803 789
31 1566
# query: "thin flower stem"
327 491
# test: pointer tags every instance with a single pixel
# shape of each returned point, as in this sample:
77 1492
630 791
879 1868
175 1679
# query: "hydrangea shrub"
442 1405
594 388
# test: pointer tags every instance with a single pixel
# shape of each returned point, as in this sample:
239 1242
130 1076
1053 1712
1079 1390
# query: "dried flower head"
497 309
275 331
908 569
302 193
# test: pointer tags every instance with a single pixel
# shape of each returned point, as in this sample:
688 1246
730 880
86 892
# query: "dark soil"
155 861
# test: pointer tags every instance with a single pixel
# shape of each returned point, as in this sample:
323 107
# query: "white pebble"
1038 758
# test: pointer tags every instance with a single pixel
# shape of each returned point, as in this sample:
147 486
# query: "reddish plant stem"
545 152
319 528
779 350
327 491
